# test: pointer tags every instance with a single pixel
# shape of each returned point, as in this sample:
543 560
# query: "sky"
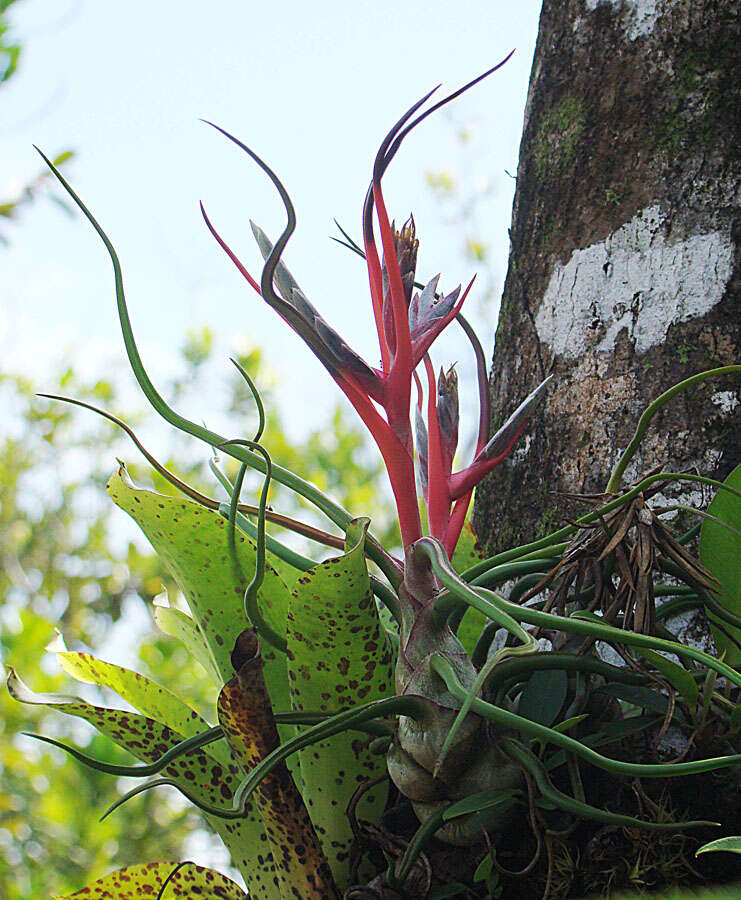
312 88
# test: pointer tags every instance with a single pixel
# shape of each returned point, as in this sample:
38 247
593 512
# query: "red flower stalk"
407 324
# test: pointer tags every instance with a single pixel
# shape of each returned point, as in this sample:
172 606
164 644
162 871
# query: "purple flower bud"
504 437
406 245
427 308
420 430
447 414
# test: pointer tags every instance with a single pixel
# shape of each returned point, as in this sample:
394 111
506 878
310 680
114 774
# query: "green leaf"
735 720
145 695
466 554
249 726
338 656
484 869
177 624
720 553
677 676
731 844
651 700
543 696
564 726
481 800
192 542
202 774
449 890
135 882
610 734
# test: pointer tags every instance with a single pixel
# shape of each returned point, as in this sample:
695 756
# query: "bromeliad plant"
370 704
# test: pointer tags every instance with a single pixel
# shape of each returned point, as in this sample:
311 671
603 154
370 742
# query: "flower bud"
447 414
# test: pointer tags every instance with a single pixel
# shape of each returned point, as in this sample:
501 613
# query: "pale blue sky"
313 88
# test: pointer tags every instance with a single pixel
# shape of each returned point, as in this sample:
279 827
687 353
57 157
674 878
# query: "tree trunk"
623 273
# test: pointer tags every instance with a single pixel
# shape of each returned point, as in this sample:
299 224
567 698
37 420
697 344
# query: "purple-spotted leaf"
338 656
249 726
148 697
135 882
201 773
193 543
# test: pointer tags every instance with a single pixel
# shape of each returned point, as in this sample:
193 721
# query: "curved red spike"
428 112
229 252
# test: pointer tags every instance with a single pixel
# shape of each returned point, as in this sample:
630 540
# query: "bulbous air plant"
407 324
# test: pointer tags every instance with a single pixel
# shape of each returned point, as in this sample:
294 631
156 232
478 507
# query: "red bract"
407 324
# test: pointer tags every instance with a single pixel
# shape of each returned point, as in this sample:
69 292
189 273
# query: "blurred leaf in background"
10 54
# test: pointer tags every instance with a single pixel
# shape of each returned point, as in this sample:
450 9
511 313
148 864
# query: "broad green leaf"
200 773
610 734
177 624
192 542
731 844
135 882
720 553
338 656
677 676
466 553
543 696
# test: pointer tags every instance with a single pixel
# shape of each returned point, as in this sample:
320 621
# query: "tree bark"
623 274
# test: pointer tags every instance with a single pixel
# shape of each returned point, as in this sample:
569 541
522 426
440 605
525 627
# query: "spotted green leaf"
247 720
192 542
143 694
202 773
338 656
720 553
135 882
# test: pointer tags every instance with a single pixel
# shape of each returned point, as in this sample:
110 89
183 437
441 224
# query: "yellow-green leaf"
201 773
135 882
192 541
338 656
